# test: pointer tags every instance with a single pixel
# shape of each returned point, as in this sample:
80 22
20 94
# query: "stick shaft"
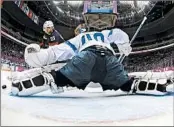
121 58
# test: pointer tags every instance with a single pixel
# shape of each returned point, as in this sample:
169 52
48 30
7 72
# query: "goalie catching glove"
37 57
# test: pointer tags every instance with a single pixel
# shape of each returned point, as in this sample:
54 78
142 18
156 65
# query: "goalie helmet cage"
100 14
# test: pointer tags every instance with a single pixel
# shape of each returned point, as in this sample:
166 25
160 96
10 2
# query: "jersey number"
52 38
89 38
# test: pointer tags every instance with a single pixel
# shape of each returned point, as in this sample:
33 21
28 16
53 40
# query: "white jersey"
104 38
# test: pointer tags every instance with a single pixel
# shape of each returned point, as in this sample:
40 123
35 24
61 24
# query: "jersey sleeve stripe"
71 45
110 33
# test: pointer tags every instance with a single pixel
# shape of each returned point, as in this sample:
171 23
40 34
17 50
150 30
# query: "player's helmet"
48 24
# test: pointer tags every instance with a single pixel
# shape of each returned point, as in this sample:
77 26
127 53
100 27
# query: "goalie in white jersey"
92 59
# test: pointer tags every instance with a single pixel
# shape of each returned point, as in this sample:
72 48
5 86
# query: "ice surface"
89 107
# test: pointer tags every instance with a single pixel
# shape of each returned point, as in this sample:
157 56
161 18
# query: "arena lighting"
56 2
140 4
59 9
75 2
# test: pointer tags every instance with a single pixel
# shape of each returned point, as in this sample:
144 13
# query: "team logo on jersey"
31 50
52 38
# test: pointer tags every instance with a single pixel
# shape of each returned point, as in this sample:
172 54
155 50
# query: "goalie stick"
122 56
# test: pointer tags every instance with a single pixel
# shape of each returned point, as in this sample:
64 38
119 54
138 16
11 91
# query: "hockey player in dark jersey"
51 36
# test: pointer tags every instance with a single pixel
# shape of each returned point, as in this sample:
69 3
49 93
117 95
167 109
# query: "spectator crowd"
11 52
150 61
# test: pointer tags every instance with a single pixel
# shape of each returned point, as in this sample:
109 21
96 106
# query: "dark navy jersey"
54 37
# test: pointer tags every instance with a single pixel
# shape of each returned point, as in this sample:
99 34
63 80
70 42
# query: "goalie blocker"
37 80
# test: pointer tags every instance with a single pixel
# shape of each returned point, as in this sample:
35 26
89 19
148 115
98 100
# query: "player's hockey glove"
45 44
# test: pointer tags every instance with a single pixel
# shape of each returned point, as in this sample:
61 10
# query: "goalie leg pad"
34 81
38 81
147 86
31 86
143 85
